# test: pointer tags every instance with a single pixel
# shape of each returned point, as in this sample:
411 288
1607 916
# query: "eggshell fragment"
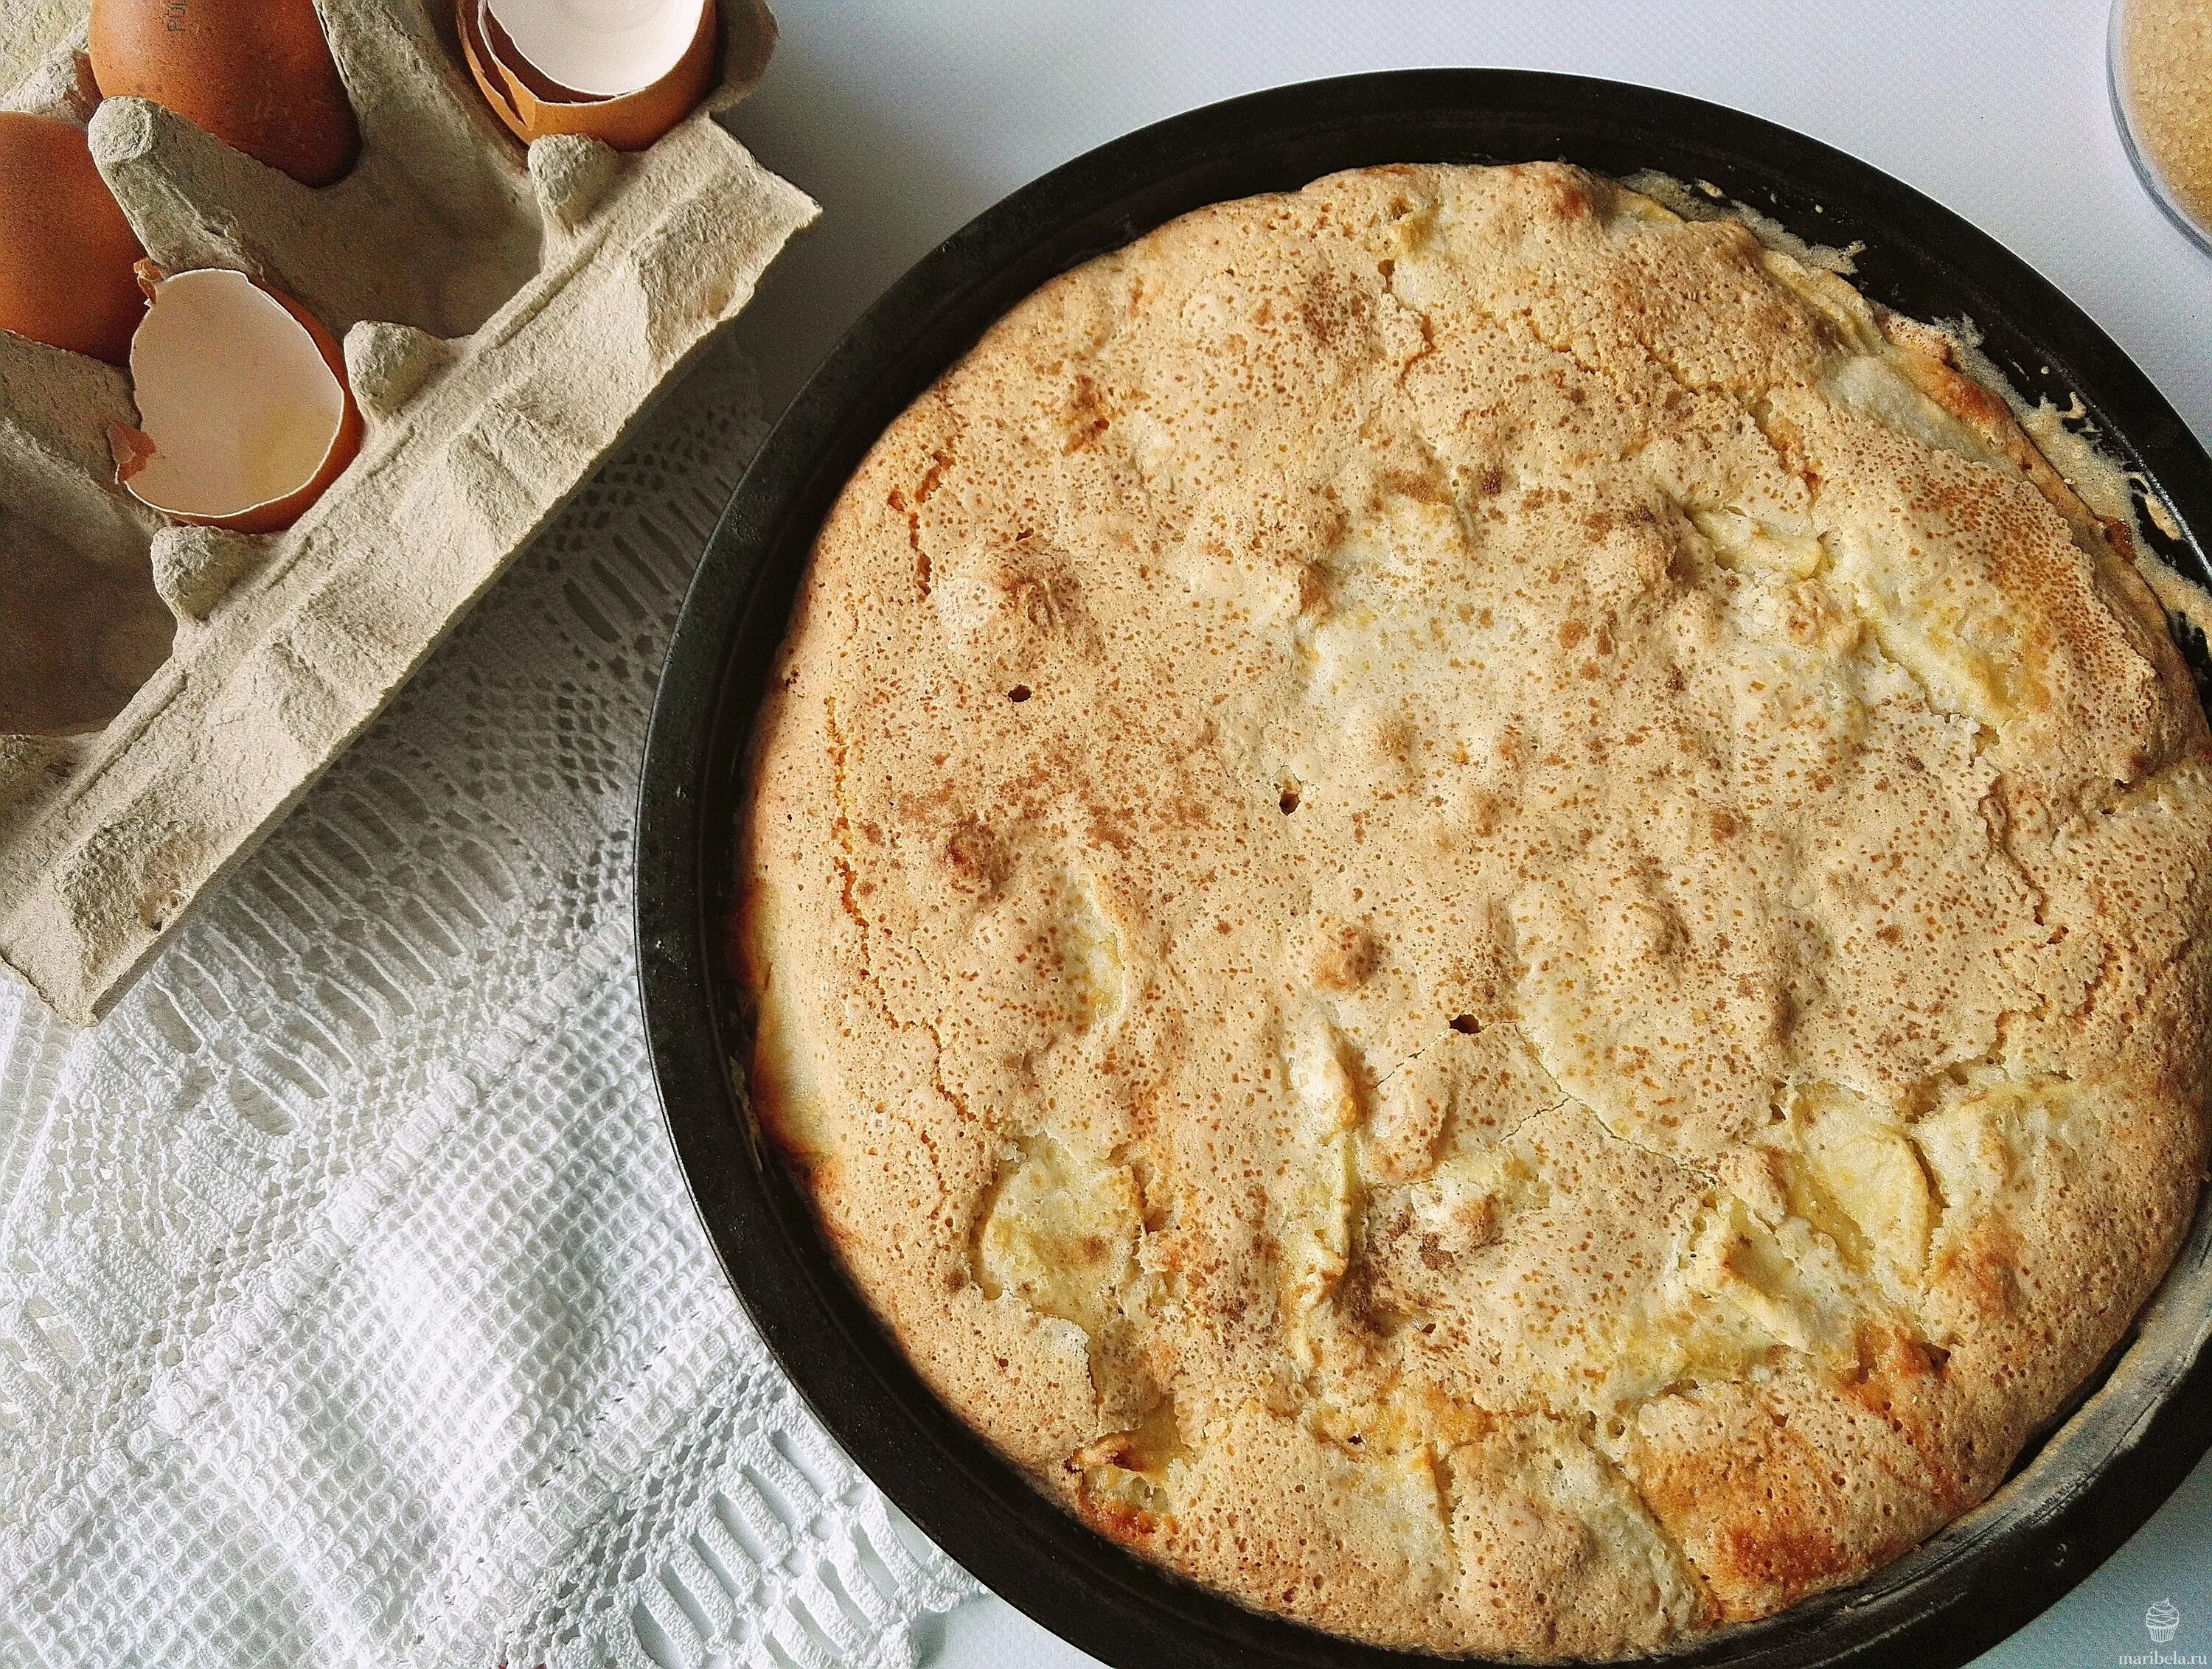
245 415
607 46
256 74
66 253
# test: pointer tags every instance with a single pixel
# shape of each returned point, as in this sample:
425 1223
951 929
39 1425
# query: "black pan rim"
1940 1605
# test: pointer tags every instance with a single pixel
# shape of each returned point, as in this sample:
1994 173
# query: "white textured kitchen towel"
352 1309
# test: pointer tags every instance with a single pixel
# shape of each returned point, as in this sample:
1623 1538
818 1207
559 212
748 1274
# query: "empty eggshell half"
243 409
600 48
622 71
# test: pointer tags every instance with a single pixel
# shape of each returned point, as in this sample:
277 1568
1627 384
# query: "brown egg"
65 250
256 74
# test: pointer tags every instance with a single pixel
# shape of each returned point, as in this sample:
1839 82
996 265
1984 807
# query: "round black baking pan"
2074 1498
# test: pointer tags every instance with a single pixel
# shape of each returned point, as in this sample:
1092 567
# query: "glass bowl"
2125 113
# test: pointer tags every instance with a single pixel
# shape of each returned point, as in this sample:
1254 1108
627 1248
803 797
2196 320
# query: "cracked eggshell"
532 58
244 416
256 74
66 253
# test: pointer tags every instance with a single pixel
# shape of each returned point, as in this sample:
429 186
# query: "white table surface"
905 117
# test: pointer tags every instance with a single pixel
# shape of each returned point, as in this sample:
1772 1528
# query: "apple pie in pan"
1483 912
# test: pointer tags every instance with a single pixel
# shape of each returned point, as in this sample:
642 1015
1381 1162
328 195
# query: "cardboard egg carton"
167 692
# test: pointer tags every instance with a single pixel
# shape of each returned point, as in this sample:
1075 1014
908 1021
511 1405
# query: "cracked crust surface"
1483 913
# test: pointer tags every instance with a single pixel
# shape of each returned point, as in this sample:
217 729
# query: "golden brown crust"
1482 913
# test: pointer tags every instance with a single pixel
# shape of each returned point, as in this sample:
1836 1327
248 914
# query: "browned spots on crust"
1342 316
1972 403
897 500
1786 1559
939 462
1035 599
1345 956
1899 1380
1359 1301
1984 1267
1764 1515
1566 192
1428 347
1485 814
1089 414
1113 1518
1788 440
1109 826
1421 488
975 859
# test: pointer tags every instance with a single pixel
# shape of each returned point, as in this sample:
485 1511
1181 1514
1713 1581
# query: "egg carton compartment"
167 691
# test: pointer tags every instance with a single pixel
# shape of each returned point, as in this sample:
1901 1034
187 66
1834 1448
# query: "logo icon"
2161 1620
